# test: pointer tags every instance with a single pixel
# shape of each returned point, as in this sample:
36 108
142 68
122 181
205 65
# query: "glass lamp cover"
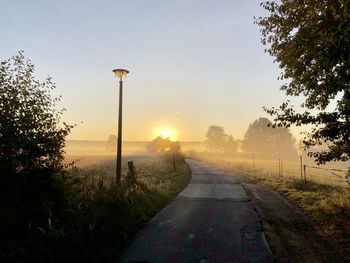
120 73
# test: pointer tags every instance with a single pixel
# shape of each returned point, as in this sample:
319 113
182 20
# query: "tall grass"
98 218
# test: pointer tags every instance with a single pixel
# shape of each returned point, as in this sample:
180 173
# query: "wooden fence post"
174 161
279 167
305 173
131 171
301 167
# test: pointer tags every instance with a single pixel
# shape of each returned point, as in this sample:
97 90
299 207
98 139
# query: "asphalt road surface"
211 220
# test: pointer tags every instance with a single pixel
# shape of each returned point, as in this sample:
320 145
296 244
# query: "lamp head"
120 73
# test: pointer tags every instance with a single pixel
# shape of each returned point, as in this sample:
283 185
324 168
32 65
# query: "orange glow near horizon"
165 132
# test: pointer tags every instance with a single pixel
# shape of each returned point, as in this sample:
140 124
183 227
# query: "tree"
32 138
215 138
218 141
161 145
310 40
230 146
31 135
111 143
170 151
264 141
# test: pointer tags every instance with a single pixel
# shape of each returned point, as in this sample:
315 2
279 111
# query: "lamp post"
120 73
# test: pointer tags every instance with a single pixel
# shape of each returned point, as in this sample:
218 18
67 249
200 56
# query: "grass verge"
327 206
98 219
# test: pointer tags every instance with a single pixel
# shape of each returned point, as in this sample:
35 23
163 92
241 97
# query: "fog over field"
86 148
88 152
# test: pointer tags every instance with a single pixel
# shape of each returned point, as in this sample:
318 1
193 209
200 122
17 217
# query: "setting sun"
165 133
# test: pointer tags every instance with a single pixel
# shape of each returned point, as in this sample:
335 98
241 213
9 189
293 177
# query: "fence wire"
330 170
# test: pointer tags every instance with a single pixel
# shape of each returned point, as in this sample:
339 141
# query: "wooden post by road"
282 168
131 171
279 167
301 167
305 173
174 161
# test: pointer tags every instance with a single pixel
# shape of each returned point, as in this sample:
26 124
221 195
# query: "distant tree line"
260 140
217 141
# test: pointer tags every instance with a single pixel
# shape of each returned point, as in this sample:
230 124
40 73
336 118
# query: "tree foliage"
32 138
31 135
162 145
169 150
310 40
230 145
215 137
262 140
218 141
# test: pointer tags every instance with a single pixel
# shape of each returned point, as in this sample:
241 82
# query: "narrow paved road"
212 220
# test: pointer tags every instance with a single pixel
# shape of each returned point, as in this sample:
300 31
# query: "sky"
192 63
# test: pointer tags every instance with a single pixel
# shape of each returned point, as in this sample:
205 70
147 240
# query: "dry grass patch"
327 206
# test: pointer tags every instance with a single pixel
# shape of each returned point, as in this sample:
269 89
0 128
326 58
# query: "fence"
340 174
302 168
295 169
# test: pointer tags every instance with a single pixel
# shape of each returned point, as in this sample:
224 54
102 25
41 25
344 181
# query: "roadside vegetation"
97 219
302 220
327 205
105 217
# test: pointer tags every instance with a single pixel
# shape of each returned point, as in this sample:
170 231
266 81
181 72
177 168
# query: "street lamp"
120 73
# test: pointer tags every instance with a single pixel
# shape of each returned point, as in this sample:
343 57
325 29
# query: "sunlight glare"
165 132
